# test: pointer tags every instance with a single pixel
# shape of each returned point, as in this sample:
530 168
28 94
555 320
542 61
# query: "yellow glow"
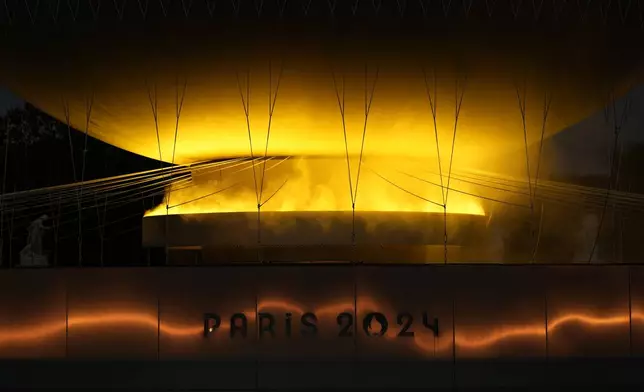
307 120
309 184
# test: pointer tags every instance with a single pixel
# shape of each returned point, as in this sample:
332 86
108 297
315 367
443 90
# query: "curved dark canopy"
131 61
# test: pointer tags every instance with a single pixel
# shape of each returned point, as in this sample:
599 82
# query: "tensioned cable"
623 197
246 105
461 179
341 106
192 200
155 114
100 181
520 184
485 184
367 110
545 197
101 222
142 213
97 190
192 184
368 100
179 107
547 100
433 103
115 183
129 198
205 196
157 185
69 136
433 107
403 189
237 183
457 111
73 158
154 105
161 184
27 203
522 108
272 100
89 106
617 128
275 193
463 192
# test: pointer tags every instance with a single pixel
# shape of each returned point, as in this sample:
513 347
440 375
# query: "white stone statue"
32 254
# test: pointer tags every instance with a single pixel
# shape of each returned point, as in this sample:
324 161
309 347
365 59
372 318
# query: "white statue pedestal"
31 259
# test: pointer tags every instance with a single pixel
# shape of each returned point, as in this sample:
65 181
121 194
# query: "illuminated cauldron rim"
313 229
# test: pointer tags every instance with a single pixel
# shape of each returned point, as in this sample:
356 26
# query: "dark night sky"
7 100
584 148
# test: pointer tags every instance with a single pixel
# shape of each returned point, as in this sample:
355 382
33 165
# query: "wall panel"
32 314
513 326
112 313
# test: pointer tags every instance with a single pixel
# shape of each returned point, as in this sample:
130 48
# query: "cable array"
369 93
272 100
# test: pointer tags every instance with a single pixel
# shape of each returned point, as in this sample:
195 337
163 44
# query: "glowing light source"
316 185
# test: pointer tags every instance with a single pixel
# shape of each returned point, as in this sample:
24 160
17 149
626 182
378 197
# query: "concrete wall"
498 326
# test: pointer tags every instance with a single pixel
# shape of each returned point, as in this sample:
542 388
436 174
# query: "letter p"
211 322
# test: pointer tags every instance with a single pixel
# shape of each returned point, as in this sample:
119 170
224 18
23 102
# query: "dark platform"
247 376
316 236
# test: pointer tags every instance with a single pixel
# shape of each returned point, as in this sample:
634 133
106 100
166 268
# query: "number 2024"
375 324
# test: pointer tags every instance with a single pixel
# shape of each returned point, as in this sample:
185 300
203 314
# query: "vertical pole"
178 108
613 168
245 100
158 327
433 100
11 236
341 106
66 317
458 102
546 109
445 232
100 227
4 184
73 157
56 224
630 314
158 293
521 99
88 115
547 332
355 324
154 105
454 343
368 101
257 328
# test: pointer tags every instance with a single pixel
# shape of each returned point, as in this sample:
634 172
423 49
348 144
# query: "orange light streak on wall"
116 318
